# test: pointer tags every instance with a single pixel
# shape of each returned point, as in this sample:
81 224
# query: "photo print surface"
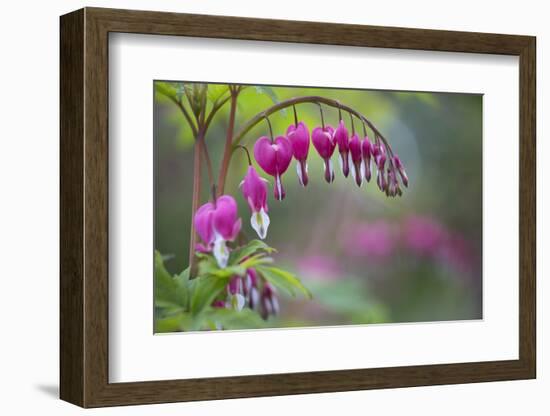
283 206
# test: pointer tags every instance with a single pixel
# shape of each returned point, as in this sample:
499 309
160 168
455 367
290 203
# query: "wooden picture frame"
84 207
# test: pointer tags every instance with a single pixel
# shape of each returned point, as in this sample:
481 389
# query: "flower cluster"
250 291
217 223
357 156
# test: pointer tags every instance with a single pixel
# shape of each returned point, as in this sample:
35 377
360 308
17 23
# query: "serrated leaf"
251 248
205 290
169 291
283 280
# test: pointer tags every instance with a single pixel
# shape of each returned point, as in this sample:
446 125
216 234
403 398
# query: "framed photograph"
263 207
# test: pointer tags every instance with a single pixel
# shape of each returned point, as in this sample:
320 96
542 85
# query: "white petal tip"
260 222
220 251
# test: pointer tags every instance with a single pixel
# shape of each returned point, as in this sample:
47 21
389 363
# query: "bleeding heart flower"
251 288
341 136
367 150
274 158
217 222
356 157
254 190
323 140
236 299
379 154
399 166
299 138
393 186
269 304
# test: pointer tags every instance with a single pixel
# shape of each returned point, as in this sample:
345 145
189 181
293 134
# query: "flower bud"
401 170
269 304
367 151
356 158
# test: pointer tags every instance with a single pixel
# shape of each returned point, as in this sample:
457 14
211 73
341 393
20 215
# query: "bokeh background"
365 257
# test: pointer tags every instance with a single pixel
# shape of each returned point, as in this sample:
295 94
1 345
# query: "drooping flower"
379 154
323 141
254 190
269 304
341 136
274 158
216 223
367 150
236 299
392 189
299 138
356 158
251 288
399 166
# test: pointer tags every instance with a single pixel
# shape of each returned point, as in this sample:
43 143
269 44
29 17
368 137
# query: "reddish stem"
199 143
228 142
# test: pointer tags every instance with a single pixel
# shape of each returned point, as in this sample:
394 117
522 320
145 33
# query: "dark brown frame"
84 207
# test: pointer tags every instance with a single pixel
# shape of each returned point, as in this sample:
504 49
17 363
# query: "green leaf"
283 280
180 91
217 91
232 319
251 248
169 291
270 92
207 268
205 290
256 260
166 89
179 322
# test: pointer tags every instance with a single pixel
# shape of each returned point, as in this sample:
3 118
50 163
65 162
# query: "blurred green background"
365 257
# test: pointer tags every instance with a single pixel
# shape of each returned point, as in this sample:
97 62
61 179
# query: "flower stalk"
234 91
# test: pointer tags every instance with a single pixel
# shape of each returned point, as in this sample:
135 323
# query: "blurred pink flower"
320 266
457 252
428 237
375 240
423 235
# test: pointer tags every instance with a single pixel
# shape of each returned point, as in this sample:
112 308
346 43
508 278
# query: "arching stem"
300 100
